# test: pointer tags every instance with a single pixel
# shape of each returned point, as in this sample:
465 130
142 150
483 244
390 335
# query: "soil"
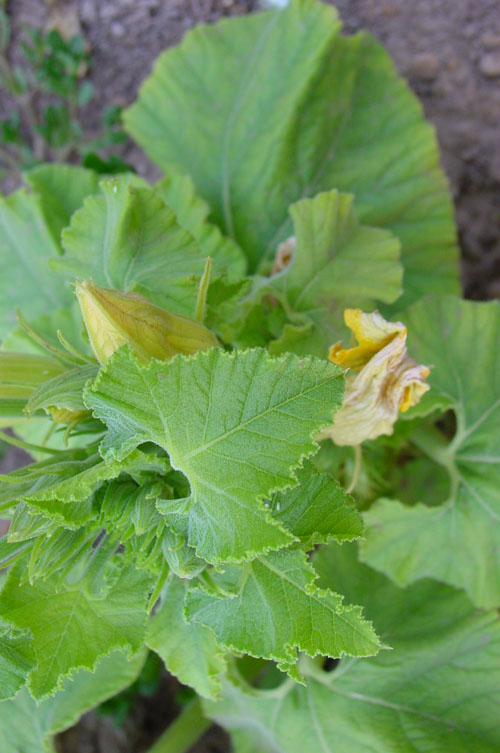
450 52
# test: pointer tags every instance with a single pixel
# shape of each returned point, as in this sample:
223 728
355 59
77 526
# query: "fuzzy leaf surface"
188 649
237 425
58 617
437 690
457 541
318 91
278 610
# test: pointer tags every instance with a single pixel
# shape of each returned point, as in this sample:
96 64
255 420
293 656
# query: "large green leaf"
458 541
278 610
71 627
188 649
27 727
137 241
236 424
437 690
337 263
27 245
262 111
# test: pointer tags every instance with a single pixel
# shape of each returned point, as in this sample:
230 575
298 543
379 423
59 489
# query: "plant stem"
357 468
184 731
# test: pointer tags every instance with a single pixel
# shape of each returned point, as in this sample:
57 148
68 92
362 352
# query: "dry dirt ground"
450 52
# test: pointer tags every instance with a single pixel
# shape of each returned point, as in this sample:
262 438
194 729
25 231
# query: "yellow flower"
383 379
113 318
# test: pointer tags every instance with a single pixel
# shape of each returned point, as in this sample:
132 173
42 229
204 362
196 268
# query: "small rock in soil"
489 65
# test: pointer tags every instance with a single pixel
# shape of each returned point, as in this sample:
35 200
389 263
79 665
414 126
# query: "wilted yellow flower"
114 318
384 379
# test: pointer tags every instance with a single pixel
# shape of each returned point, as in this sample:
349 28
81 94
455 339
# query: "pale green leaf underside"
189 650
235 424
28 727
337 263
278 610
71 628
293 106
459 541
437 690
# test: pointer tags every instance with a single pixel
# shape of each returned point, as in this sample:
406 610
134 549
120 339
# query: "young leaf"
188 649
236 424
458 541
289 120
28 726
58 615
437 690
68 477
278 610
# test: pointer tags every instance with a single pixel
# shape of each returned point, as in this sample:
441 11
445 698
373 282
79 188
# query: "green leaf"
28 727
188 649
138 242
236 424
58 615
458 541
16 661
437 690
27 244
293 106
317 510
337 263
61 190
278 610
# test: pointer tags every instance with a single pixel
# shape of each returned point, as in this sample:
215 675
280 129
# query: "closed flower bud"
114 318
383 379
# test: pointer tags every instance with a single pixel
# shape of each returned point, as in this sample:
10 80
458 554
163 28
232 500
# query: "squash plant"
305 529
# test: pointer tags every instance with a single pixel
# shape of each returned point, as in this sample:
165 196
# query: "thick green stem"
184 731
